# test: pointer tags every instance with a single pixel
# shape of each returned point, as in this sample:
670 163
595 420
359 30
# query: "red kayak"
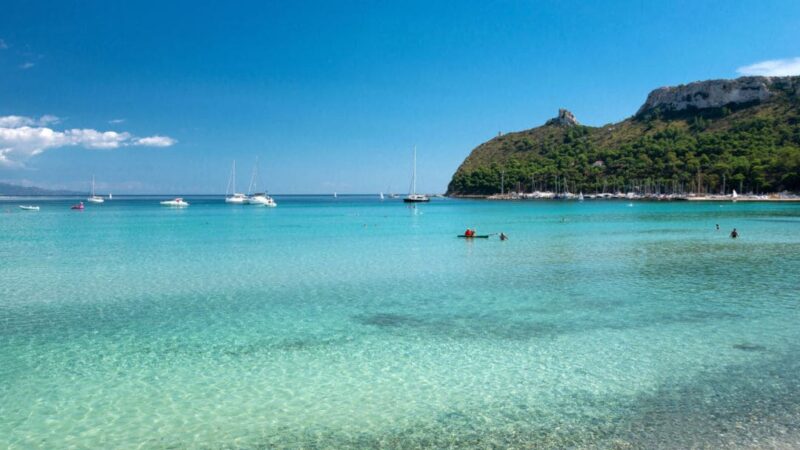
79 206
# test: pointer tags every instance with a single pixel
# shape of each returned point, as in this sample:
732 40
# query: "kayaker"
734 234
503 237
469 233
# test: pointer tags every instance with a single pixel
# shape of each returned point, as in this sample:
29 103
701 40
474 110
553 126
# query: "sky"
161 97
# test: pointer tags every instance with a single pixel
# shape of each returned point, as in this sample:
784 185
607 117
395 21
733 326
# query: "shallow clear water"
359 323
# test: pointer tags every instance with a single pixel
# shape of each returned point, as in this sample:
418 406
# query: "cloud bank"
24 137
773 68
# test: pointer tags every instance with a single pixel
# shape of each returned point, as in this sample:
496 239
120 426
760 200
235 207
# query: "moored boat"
263 199
231 196
176 202
29 207
259 198
94 198
413 197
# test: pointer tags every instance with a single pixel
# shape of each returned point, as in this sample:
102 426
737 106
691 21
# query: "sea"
355 322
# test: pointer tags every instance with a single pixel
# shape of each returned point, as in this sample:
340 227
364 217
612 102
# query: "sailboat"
259 198
231 196
734 195
335 196
94 198
381 195
413 197
110 197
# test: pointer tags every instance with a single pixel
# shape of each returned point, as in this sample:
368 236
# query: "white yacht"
413 197
29 207
176 202
231 196
94 198
259 198
262 198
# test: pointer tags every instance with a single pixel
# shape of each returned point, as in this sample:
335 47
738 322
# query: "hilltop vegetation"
749 144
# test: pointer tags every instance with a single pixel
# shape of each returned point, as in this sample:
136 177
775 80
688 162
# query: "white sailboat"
413 197
381 195
231 196
109 196
259 198
734 195
335 195
94 198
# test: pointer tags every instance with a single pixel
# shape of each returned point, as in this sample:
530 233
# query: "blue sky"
332 96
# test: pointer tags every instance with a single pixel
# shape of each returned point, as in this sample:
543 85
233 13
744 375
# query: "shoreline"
774 197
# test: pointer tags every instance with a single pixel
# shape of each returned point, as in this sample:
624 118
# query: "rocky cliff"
716 93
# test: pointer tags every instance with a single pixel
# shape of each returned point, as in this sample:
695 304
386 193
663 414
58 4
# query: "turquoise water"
358 323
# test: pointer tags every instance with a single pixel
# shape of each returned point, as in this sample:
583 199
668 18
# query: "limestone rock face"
710 94
564 118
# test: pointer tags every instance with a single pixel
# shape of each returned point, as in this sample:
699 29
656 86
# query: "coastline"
773 197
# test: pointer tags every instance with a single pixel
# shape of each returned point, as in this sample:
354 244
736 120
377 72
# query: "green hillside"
701 137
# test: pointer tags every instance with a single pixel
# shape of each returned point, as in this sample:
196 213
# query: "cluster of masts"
252 197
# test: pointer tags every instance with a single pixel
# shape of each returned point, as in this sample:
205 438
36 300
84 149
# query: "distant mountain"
706 136
7 189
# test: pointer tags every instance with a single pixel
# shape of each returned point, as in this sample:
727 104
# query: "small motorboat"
29 207
176 202
78 207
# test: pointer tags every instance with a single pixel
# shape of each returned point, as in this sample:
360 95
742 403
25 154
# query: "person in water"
503 237
734 234
717 227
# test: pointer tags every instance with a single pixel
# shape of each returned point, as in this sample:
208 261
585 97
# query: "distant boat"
381 195
259 198
94 198
177 203
29 207
335 196
413 197
580 196
231 196
78 207
109 196
734 195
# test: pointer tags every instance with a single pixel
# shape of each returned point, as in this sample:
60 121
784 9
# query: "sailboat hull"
416 200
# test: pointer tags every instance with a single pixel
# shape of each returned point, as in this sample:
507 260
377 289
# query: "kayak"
477 236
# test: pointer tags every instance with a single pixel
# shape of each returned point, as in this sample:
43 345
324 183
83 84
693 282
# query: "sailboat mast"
414 173
92 185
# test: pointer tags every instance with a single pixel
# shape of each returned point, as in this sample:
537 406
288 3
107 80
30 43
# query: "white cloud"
773 68
155 141
22 121
26 65
116 121
24 137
